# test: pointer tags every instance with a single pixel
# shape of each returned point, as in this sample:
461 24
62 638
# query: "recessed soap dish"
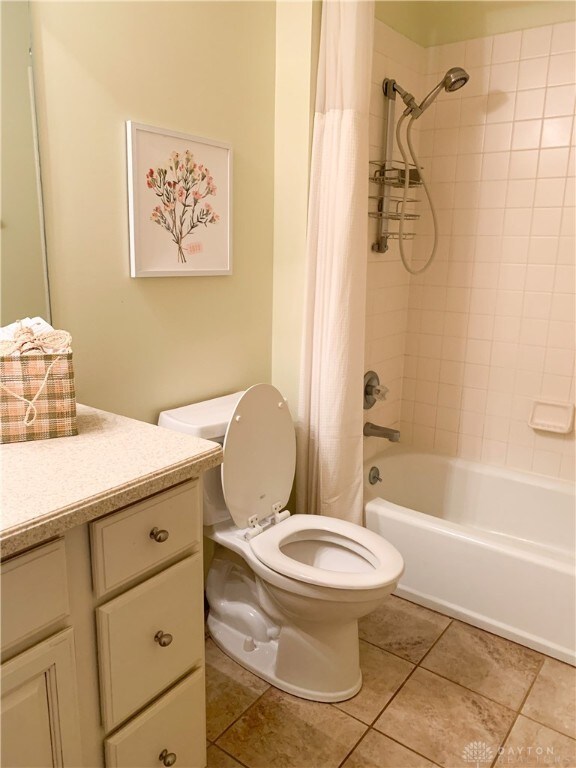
552 417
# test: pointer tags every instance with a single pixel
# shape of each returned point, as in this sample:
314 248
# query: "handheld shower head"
455 78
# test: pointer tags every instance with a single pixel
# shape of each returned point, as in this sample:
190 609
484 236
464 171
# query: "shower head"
454 79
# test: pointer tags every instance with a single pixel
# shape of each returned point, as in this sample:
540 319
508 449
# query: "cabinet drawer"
134 664
124 547
175 723
34 590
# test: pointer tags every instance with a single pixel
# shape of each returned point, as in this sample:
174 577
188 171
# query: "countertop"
49 486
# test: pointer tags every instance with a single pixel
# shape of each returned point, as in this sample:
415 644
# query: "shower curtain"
330 442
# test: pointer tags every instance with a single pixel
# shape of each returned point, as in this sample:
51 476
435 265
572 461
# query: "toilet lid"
259 455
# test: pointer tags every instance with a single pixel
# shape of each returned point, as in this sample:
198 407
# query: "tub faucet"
373 430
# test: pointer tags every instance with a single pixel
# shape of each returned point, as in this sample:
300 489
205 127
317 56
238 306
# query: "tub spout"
373 430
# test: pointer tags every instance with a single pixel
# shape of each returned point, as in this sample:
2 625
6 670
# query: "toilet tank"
207 419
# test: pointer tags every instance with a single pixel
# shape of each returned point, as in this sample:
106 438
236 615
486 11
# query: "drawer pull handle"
163 639
159 535
167 758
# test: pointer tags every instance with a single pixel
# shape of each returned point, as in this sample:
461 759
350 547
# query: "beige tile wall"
490 326
388 283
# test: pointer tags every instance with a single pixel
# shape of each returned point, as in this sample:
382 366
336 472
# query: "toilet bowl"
285 591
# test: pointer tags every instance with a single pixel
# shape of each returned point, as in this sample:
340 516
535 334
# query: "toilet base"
260 657
316 660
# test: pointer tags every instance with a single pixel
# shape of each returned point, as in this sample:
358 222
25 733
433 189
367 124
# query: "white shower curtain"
329 478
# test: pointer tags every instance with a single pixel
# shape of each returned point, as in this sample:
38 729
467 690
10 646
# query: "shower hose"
405 195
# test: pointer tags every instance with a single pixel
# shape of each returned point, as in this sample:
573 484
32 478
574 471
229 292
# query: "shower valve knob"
380 392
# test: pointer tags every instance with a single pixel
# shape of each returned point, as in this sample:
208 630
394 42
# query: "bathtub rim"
491 470
525 549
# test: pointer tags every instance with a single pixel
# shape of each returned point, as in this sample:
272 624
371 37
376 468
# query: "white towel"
33 335
38 325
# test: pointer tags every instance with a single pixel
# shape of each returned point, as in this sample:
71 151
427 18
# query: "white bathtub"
491 546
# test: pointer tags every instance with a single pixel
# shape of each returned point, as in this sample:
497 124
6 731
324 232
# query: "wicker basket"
37 397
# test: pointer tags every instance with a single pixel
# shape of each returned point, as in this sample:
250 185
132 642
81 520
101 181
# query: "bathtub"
491 546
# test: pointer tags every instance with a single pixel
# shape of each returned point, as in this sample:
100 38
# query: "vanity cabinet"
102 636
140 625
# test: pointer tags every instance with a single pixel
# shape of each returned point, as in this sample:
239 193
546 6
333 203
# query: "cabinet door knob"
163 639
167 758
159 535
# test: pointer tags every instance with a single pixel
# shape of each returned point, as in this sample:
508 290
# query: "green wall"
202 68
429 22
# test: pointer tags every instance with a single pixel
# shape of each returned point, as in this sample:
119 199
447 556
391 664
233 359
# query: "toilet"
285 591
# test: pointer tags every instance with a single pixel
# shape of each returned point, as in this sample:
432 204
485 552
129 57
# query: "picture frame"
179 203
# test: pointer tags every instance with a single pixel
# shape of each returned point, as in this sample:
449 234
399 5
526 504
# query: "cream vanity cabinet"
102 613
103 641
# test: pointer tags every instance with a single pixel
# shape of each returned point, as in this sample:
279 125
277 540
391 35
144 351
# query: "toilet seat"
383 563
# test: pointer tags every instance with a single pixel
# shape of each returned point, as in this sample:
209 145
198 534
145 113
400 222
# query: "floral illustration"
181 189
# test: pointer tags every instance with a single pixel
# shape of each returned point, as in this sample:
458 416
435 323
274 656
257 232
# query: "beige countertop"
49 486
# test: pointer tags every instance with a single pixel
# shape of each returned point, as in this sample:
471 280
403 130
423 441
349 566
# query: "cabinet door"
40 706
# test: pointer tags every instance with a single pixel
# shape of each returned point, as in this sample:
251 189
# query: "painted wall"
141 345
433 22
297 41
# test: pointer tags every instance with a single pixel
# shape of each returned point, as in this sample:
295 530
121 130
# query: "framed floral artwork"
179 197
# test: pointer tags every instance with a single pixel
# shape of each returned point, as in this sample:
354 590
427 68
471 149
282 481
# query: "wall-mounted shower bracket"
390 175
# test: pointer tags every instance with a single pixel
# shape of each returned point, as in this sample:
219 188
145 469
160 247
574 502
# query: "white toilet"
285 592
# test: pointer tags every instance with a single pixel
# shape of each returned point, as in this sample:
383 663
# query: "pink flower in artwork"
181 189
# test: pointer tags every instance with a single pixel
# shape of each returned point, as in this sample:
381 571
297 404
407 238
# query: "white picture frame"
179 203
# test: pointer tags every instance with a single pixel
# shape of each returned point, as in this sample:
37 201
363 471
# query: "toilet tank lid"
208 418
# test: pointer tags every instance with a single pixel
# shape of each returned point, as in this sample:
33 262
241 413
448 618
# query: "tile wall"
490 326
388 283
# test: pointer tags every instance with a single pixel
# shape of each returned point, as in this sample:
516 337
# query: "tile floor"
435 690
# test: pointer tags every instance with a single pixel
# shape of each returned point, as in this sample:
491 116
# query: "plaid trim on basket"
37 397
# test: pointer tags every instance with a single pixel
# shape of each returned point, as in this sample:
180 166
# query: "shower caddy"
390 175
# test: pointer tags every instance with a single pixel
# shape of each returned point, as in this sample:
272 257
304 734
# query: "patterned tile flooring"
435 689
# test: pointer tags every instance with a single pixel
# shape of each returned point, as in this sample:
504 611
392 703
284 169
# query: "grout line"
349 753
446 628
545 725
421 754
244 765
391 699
518 713
386 650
